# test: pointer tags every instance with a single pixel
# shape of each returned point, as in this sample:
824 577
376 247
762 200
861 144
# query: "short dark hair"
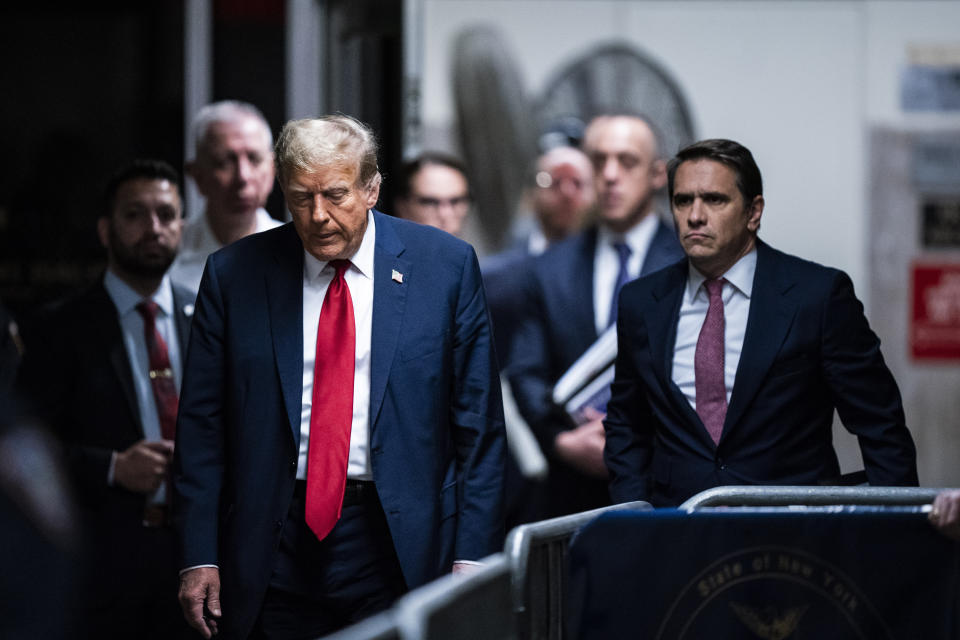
732 154
413 166
147 168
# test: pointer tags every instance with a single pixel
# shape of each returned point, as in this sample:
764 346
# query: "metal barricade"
469 607
382 626
537 554
813 496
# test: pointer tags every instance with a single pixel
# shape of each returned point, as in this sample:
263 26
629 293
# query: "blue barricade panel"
669 575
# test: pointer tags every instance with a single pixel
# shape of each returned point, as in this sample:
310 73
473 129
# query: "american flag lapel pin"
396 276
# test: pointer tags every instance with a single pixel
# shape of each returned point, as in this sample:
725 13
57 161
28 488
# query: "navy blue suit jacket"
555 329
558 324
808 350
504 275
436 416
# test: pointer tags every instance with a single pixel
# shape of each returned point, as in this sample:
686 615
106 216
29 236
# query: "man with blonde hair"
341 433
233 170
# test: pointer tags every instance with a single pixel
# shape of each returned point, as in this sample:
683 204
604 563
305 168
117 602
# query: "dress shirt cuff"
198 566
110 469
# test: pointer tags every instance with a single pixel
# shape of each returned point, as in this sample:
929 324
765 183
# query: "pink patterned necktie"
331 413
708 364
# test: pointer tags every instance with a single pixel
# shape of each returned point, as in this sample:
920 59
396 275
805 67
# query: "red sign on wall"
935 318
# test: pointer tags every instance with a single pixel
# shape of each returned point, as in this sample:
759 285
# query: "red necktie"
331 413
711 388
161 374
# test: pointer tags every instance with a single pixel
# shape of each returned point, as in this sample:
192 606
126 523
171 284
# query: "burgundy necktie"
161 374
331 413
711 388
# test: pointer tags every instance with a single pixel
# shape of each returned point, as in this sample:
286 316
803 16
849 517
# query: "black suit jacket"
808 350
77 372
556 328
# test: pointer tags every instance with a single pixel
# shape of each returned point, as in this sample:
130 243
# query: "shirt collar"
362 260
537 242
740 275
637 237
125 299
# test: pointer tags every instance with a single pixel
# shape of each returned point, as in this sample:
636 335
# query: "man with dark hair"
103 371
731 362
571 294
433 190
341 429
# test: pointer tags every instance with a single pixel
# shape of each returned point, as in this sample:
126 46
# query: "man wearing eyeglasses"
434 191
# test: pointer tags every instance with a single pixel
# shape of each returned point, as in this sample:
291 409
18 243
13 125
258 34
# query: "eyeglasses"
459 202
546 181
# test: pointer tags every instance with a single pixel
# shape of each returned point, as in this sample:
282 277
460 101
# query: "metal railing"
537 554
471 607
813 496
382 626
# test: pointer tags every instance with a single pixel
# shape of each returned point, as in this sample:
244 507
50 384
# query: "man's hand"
582 448
200 599
945 514
465 568
143 466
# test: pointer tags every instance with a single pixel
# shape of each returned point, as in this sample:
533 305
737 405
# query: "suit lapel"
107 325
182 315
389 302
663 250
771 313
661 319
580 280
283 282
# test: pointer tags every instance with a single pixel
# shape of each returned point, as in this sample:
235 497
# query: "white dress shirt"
606 263
693 311
537 243
126 300
317 276
198 242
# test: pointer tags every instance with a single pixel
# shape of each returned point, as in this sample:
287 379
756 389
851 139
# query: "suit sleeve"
530 373
477 423
864 391
628 450
199 453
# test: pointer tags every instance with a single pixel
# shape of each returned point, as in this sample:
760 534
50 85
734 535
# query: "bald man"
571 295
